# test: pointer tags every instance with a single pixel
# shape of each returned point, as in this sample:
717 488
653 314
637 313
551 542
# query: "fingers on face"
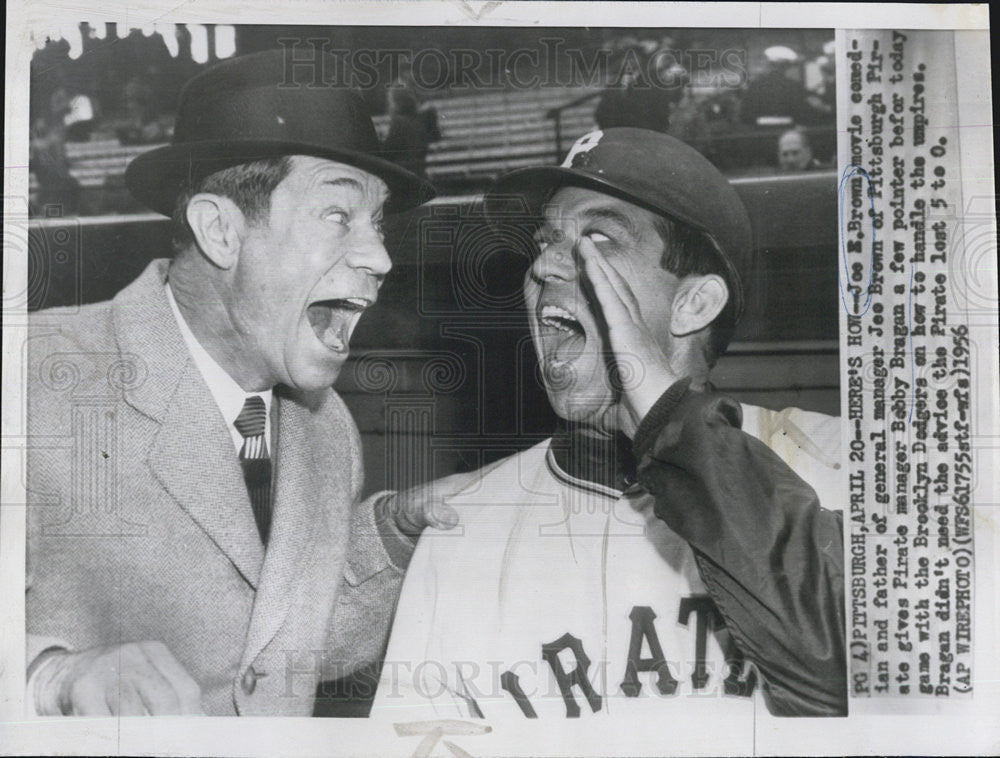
612 290
611 304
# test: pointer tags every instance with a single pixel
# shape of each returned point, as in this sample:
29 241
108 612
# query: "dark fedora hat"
262 106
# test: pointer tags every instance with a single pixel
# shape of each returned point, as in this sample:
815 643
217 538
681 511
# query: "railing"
479 143
483 136
556 115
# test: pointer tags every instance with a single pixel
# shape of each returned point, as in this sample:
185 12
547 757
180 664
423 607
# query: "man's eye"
337 217
596 236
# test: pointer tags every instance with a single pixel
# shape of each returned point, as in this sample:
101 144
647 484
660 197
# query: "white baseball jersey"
558 598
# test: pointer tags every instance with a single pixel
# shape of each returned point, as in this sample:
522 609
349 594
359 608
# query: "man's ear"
218 226
699 299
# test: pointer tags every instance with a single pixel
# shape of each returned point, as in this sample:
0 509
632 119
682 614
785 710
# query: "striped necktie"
255 461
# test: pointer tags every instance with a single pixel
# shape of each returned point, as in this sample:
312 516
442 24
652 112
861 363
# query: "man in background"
795 153
412 130
777 93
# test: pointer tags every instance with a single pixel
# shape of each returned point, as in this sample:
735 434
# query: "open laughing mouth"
563 336
333 320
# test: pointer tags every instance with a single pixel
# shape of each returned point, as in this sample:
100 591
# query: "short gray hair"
249 185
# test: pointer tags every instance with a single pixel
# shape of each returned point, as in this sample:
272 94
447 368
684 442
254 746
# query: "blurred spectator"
58 191
58 108
666 52
407 81
140 125
649 106
610 110
822 97
776 96
650 85
411 131
138 97
689 118
79 119
795 152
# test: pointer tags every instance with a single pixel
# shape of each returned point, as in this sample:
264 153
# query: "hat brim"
524 191
156 178
527 189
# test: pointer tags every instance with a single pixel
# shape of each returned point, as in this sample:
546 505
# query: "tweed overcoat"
140 526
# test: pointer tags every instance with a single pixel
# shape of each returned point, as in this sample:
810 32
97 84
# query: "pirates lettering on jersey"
575 678
642 629
574 681
568 598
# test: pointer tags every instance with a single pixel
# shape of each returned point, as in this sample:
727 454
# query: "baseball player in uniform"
665 553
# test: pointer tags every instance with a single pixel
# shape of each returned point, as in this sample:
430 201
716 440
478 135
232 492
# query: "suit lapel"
192 455
194 459
309 487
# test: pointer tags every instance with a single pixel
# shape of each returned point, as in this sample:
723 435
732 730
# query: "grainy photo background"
431 400
433 366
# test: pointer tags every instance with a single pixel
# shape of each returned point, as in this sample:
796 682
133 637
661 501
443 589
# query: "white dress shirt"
229 396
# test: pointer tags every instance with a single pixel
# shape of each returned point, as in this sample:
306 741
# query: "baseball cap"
651 170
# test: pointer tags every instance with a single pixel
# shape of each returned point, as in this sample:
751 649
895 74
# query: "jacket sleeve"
373 576
770 556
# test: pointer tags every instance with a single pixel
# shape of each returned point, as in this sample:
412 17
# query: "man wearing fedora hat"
197 544
665 553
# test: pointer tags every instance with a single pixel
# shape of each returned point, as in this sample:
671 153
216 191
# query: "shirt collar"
586 457
229 396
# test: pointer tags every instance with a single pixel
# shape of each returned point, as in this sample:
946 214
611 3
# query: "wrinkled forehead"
570 204
354 184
